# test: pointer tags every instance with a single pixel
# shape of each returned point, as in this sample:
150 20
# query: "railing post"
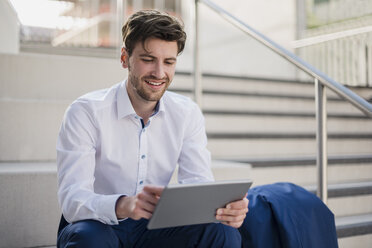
321 138
198 91
120 8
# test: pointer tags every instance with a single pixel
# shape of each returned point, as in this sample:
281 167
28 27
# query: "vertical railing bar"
197 72
120 8
367 63
321 138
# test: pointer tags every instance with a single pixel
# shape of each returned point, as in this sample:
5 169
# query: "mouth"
154 83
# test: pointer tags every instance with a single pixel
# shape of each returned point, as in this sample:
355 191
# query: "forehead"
156 47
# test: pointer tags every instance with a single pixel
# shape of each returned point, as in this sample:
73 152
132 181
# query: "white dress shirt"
104 151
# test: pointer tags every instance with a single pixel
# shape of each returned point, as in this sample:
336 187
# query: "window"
78 26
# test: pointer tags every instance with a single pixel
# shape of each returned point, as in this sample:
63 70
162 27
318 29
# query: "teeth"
153 83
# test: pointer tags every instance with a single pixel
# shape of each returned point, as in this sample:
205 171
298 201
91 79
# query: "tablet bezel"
183 204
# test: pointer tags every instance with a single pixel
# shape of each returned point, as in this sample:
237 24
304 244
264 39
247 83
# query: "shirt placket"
142 157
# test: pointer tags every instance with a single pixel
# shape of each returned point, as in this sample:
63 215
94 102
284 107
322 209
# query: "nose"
159 71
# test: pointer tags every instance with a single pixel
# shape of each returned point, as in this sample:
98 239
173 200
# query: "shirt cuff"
106 209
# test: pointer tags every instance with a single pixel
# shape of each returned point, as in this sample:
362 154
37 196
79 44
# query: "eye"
170 62
147 60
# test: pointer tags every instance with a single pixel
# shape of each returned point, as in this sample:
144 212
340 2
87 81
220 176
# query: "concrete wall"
9 28
224 49
275 19
29 209
35 90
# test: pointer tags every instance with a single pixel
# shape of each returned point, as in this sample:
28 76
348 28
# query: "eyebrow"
153 57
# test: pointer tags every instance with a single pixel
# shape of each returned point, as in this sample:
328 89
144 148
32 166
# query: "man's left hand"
234 213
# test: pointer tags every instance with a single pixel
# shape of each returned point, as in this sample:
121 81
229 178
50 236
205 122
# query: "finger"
240 204
232 212
152 189
230 218
144 205
139 213
149 198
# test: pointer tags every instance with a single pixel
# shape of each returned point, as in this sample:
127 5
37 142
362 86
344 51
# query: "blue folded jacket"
287 216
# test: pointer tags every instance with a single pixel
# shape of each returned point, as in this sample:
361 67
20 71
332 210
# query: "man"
118 147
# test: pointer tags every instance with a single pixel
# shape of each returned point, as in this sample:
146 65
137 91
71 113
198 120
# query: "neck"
144 111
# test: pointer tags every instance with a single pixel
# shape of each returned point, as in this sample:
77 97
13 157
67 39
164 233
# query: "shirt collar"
160 106
124 105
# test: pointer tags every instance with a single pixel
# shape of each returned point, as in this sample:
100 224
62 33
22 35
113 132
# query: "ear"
124 57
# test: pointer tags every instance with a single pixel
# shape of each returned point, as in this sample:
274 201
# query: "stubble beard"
146 94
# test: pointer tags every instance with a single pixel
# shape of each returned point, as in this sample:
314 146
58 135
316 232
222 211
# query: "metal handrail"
321 81
330 37
341 90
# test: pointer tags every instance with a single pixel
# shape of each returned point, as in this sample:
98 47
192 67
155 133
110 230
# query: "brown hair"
146 24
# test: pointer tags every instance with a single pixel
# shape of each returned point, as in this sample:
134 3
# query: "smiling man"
118 147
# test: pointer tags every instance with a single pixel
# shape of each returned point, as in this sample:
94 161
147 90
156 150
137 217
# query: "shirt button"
143 130
143 156
141 182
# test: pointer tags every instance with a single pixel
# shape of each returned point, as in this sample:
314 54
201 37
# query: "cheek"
170 72
136 70
143 70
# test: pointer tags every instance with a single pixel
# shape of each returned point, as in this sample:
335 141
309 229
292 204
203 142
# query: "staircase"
268 127
258 128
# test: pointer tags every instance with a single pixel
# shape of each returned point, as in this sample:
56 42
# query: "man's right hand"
139 206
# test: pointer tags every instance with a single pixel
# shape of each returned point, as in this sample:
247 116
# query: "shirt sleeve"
195 159
76 150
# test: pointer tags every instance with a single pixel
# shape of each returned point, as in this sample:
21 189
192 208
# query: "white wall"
275 19
9 28
35 90
227 50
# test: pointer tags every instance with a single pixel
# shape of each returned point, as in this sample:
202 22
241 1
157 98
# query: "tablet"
188 204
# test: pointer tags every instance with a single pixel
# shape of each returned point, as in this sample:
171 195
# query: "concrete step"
350 186
55 77
354 225
346 199
30 127
20 77
347 206
82 74
29 207
349 178
33 108
306 174
354 231
29 130
245 84
304 161
269 102
79 75
273 135
347 189
272 103
221 122
261 147
28 75
355 234
37 221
